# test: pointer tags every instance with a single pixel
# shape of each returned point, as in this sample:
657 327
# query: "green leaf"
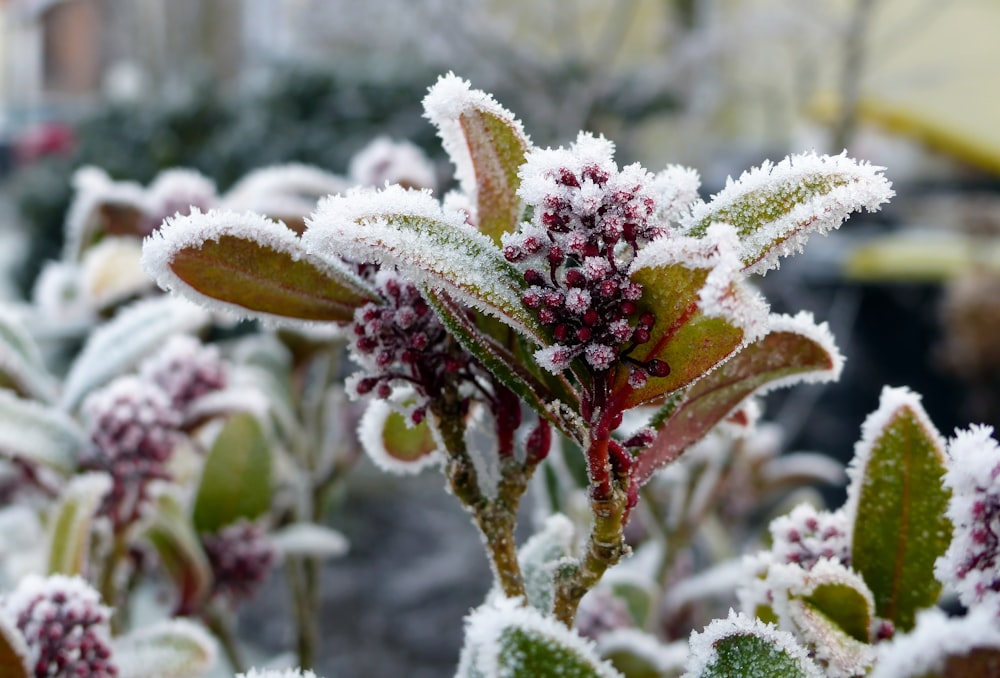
175 648
39 434
774 208
637 654
394 443
538 558
896 504
488 146
506 639
71 520
703 313
135 332
845 606
739 646
251 266
503 364
22 369
180 552
795 350
236 479
410 230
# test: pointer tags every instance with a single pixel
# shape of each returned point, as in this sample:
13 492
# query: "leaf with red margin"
796 350
252 266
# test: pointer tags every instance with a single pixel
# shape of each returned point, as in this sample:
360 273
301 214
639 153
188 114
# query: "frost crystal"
971 566
64 625
384 161
241 557
805 535
590 221
134 429
185 369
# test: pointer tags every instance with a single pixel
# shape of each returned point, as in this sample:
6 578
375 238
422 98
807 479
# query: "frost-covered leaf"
410 230
394 444
101 206
749 648
38 433
175 648
943 647
110 272
640 655
504 639
71 520
539 556
538 391
119 345
251 266
22 369
236 480
287 193
831 610
795 350
309 539
703 312
775 208
180 552
13 651
488 146
896 505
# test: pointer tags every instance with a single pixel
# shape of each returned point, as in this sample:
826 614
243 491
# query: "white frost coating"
803 324
717 582
446 101
121 343
385 161
41 434
12 636
676 188
969 566
703 653
193 230
20 357
666 659
309 539
93 188
177 648
865 188
935 637
110 271
277 673
721 295
815 466
262 186
539 556
178 189
485 627
360 226
370 436
892 402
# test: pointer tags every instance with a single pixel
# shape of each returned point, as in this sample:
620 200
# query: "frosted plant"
971 566
64 625
384 161
241 557
556 278
805 535
186 370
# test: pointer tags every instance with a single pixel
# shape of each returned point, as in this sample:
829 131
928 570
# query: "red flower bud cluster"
241 558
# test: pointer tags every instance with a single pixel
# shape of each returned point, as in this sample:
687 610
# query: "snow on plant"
554 278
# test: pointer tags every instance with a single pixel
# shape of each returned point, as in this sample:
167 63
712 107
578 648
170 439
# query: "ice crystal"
971 566
64 625
590 219
241 556
384 161
805 535
133 429
186 370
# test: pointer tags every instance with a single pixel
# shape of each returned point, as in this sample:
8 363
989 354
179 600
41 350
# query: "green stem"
497 518
223 632
109 591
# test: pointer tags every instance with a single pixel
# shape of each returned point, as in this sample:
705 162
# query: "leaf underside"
407 443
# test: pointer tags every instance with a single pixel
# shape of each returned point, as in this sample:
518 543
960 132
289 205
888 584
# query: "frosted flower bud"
241 557
577 300
65 627
805 535
971 565
185 369
134 429
599 356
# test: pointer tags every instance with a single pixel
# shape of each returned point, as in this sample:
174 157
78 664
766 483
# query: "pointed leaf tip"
896 504
251 266
775 207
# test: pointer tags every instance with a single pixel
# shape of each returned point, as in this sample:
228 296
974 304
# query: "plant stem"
497 518
109 591
222 631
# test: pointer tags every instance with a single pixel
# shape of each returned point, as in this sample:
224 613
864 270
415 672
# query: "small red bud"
657 368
